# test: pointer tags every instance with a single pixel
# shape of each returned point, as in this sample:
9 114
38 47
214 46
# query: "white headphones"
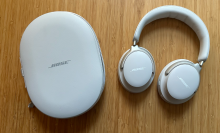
179 80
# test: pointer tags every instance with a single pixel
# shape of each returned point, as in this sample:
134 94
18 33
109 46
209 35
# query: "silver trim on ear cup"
169 69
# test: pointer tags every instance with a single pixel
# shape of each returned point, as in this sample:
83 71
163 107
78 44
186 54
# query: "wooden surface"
117 111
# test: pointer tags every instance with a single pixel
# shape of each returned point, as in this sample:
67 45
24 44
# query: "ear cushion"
162 85
130 68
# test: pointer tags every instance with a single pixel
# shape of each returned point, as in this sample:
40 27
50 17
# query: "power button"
22 72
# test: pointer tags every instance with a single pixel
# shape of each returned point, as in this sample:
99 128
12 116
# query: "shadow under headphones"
179 80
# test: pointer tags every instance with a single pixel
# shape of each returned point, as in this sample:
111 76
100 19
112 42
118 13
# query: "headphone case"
62 64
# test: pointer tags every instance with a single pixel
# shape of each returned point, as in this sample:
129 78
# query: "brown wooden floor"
117 111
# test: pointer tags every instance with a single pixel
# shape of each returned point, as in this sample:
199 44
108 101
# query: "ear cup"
136 69
178 81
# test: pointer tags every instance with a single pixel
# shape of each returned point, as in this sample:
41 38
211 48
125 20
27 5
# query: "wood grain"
117 111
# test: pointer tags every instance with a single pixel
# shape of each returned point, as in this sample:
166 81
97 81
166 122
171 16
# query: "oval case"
62 64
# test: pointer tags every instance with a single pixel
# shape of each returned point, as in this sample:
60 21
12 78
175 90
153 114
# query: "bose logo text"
138 69
59 64
183 82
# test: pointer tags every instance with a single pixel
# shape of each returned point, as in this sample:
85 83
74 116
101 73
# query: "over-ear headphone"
179 80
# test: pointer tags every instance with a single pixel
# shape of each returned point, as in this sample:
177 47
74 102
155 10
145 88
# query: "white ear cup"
136 69
178 81
183 81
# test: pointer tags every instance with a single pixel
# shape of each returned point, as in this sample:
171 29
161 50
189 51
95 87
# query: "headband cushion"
184 15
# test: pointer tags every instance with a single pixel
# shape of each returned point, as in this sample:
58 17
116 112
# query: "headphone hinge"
201 63
134 42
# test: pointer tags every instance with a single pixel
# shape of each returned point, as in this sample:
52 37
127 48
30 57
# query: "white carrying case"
62 64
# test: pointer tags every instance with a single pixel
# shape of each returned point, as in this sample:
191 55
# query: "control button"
22 72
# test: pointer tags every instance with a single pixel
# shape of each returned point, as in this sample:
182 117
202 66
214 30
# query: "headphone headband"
184 15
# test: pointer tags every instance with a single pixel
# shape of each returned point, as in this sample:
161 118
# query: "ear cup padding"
148 80
162 85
